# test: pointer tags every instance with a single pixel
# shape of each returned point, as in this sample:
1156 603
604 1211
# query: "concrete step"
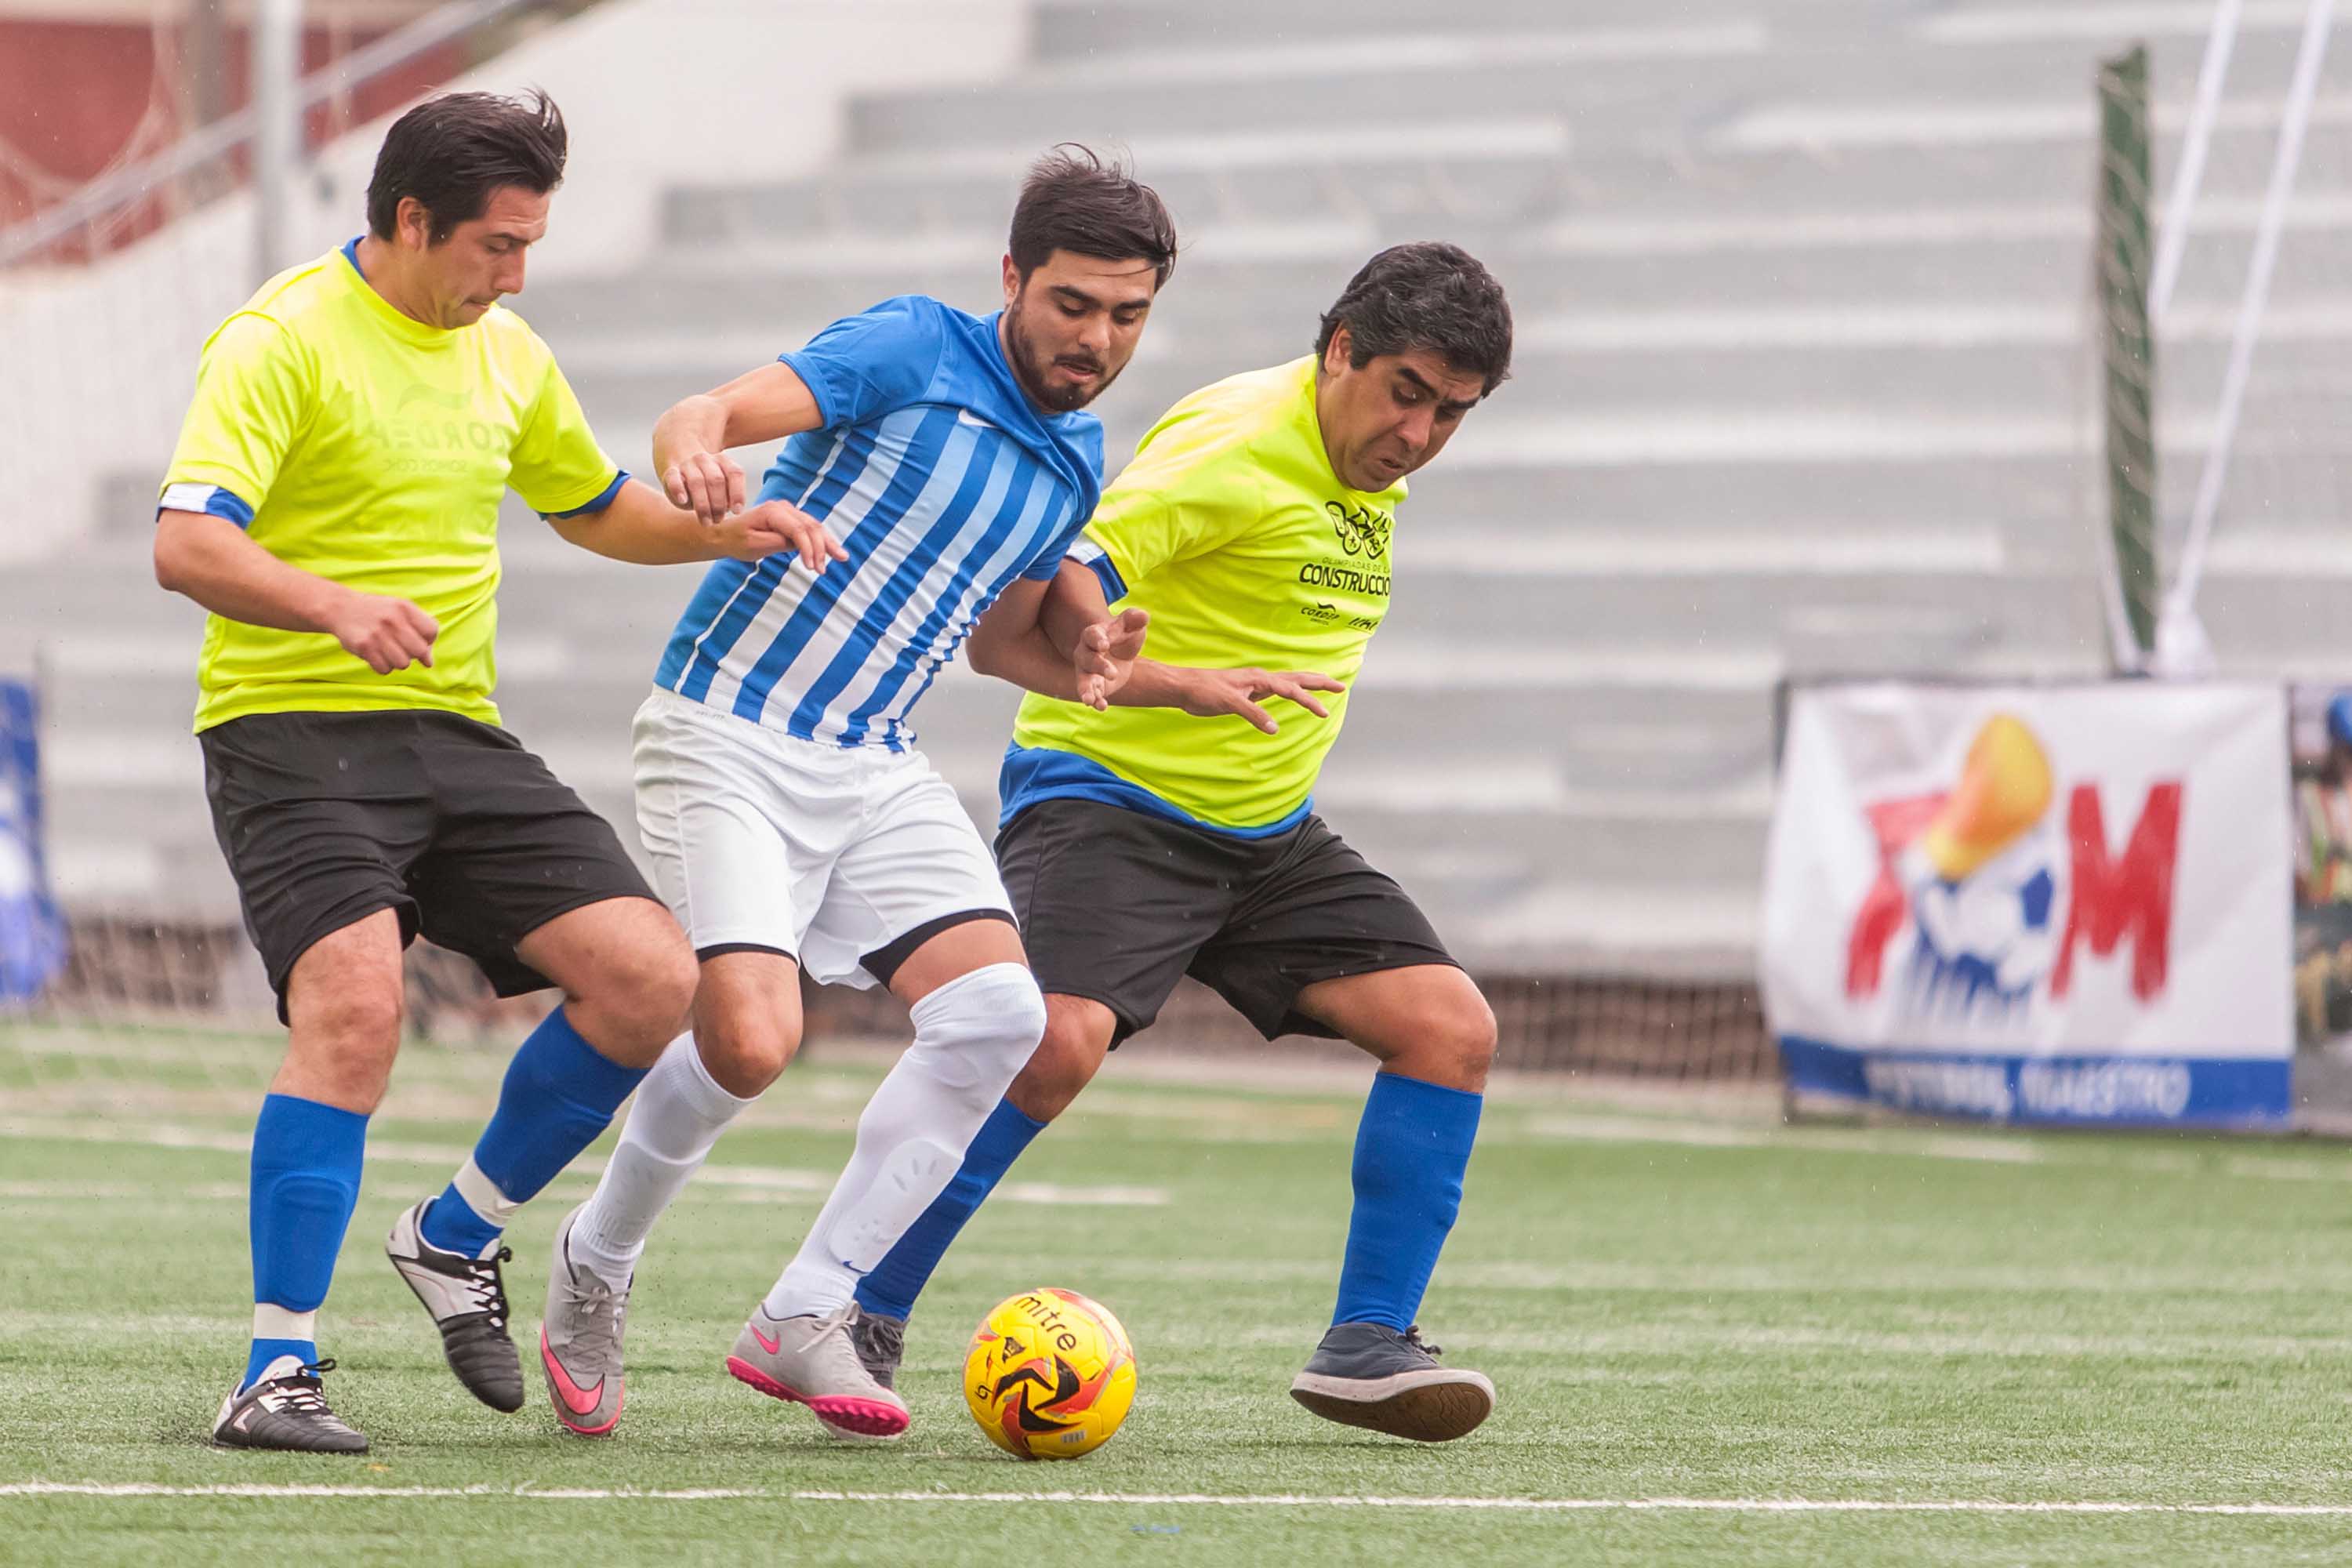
1241 291
1082 30
1609 96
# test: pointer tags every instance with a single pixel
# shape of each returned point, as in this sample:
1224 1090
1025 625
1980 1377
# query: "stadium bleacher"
1800 389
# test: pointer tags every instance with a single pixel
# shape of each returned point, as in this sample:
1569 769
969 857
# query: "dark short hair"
1072 200
1431 296
451 151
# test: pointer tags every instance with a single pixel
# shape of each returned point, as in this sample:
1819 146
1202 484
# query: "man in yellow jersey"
1255 528
333 502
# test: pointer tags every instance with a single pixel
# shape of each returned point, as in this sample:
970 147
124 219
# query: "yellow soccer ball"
1049 1376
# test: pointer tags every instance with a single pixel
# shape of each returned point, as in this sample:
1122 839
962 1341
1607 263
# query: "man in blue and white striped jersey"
792 826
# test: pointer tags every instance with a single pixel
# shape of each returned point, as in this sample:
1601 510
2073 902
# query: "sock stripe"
275 1322
482 1196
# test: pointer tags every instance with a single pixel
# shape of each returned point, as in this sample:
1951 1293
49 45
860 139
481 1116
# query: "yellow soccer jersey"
372 449
1231 529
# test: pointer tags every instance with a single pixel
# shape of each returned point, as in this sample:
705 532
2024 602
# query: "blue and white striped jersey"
942 482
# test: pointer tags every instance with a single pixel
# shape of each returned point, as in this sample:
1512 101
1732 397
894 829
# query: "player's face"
482 260
1071 326
1382 422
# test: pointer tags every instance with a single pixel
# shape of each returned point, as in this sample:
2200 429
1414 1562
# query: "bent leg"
1078 1038
628 977
978 1017
1435 1037
747 1025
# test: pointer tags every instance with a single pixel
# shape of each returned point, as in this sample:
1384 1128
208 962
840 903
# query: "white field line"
1229 1123
1187 1500
763 1178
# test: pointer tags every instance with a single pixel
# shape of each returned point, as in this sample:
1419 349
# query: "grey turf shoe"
811 1361
285 1411
580 1341
467 1299
881 1343
1369 1375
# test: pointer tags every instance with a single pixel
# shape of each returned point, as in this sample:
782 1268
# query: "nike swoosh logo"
771 1346
578 1400
966 416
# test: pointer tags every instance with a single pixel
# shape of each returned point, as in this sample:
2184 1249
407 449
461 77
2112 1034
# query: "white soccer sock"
973 1036
679 1112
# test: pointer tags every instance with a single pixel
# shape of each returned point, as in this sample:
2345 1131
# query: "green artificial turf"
1674 1305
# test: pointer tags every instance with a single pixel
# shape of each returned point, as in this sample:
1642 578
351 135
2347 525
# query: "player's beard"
1033 362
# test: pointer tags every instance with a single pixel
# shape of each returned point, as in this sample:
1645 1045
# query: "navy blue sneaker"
1369 1375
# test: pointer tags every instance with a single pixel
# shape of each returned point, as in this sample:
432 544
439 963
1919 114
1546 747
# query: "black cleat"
285 1411
467 1299
881 1345
1369 1375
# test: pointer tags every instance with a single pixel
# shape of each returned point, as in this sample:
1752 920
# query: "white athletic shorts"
843 858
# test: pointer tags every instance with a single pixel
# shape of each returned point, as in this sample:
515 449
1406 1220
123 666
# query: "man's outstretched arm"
1060 639
690 441
638 526
1033 637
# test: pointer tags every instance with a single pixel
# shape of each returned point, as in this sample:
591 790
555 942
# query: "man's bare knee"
1064 1062
1449 1041
341 1043
1468 1037
746 1050
646 995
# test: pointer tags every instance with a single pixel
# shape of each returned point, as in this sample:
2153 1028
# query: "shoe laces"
843 1318
301 1394
490 1286
884 1339
602 1311
1412 1337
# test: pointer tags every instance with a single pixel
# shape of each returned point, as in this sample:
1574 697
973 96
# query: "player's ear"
1011 279
1336 353
412 218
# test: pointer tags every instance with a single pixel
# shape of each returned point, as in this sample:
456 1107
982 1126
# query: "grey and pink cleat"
580 1341
811 1360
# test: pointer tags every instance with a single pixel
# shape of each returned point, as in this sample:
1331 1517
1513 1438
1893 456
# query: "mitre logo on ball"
1998 890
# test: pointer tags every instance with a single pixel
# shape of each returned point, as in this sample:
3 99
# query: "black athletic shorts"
326 819
1116 907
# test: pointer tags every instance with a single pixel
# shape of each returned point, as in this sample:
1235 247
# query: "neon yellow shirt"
372 449
1232 529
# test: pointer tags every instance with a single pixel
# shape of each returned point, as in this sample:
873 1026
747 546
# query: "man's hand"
1209 693
707 484
388 634
774 528
1106 657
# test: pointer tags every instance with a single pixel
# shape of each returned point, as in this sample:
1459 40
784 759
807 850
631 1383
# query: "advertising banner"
2030 903
32 933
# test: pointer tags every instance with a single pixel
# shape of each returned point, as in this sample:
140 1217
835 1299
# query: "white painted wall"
96 363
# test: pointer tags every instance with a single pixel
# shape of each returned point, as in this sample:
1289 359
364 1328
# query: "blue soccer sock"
891 1289
559 1095
305 1182
1411 1148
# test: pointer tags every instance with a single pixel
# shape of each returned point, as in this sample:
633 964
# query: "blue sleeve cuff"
603 497
813 378
1114 587
210 500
